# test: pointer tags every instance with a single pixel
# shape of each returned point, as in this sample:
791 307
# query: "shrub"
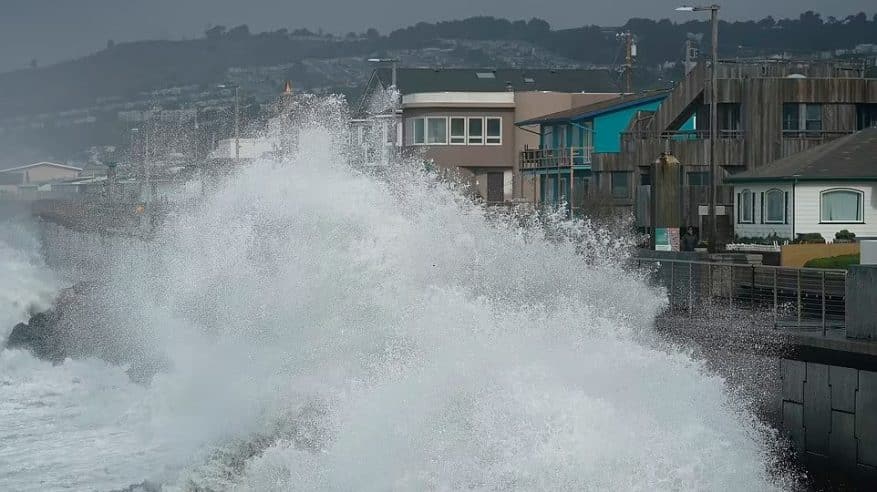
844 236
841 262
810 238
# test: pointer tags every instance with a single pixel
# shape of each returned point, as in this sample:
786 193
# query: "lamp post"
714 119
394 61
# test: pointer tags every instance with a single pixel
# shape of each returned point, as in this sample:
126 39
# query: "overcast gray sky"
53 30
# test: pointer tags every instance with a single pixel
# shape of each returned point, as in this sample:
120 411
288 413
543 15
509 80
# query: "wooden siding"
807 213
672 112
689 151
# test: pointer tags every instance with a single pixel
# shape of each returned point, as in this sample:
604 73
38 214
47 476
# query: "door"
495 192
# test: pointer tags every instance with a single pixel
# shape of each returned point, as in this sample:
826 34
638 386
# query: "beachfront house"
823 190
464 119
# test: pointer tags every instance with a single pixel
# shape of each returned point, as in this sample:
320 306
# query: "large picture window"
841 206
775 207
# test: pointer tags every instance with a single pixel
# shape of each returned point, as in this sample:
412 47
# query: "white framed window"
774 207
494 131
419 131
476 131
437 131
745 207
841 206
458 131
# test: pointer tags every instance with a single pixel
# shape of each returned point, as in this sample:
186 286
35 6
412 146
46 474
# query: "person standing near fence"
689 240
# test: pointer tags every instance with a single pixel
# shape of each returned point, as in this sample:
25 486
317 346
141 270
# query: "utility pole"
714 117
629 55
237 124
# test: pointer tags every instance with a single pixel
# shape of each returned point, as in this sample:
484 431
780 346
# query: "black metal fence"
795 297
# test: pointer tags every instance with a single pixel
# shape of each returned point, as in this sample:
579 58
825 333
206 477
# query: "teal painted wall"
608 127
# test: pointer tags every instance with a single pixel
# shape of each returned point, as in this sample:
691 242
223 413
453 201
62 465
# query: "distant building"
250 148
43 172
579 149
822 190
463 119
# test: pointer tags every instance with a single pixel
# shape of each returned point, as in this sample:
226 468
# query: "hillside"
57 110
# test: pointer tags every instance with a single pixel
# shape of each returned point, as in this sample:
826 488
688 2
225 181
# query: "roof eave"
590 114
774 179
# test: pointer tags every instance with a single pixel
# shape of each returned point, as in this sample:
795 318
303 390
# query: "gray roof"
849 158
416 80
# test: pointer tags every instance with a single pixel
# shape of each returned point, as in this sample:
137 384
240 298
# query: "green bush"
842 262
844 236
810 238
767 240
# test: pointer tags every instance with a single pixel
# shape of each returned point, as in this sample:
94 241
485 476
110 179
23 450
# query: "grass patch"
842 262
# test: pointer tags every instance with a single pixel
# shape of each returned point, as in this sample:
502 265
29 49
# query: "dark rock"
70 330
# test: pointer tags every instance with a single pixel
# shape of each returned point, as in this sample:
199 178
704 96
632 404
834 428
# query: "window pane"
436 131
814 117
419 131
791 117
698 178
841 206
494 130
746 206
620 184
476 130
458 130
776 206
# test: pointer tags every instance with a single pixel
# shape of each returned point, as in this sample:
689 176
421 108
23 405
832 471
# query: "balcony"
544 159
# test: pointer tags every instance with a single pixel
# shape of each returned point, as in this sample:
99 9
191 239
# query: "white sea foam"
334 331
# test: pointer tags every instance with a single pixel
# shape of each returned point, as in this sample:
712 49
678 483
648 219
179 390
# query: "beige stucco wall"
469 156
44 174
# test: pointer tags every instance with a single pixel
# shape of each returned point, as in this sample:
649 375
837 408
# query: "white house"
822 190
43 172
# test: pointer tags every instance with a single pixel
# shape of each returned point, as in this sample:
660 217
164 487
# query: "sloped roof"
595 109
417 80
849 158
37 164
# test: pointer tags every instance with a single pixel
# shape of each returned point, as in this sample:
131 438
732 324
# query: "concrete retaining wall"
830 413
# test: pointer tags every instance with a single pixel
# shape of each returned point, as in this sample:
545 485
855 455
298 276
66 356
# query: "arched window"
841 205
775 207
745 207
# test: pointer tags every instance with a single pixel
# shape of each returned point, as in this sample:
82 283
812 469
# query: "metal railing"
803 298
553 158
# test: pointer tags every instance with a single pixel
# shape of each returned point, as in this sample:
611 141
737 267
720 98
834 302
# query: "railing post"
752 288
709 280
672 284
731 288
690 293
799 296
823 303
775 298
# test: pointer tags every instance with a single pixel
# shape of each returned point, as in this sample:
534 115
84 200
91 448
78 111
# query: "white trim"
37 164
465 98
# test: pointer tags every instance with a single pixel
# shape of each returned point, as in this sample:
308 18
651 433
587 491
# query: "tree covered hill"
126 69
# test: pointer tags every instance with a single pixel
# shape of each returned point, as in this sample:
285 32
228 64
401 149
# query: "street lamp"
714 120
394 61
237 133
